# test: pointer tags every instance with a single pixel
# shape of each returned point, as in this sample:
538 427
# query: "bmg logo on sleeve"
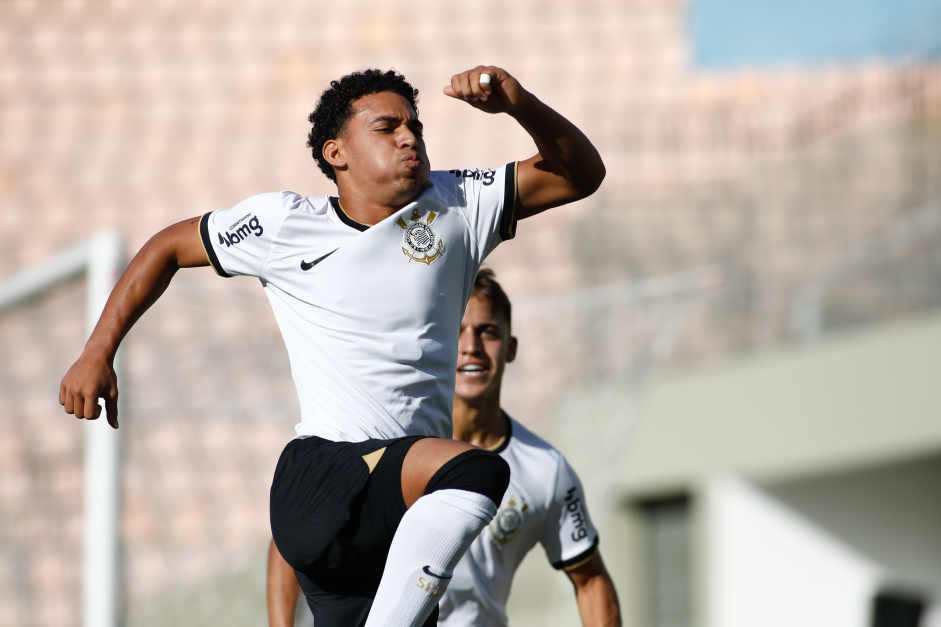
573 506
241 230
486 175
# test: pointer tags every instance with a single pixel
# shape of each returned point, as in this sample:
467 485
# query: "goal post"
101 259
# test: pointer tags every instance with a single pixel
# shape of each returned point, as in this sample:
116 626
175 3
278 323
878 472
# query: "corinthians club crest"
420 242
506 524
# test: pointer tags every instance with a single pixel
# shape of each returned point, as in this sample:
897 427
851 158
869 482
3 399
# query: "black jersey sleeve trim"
207 245
508 219
345 219
578 560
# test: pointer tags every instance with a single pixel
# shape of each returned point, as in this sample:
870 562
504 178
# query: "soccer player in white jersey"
368 289
544 503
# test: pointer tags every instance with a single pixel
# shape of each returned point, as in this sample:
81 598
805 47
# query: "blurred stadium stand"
743 210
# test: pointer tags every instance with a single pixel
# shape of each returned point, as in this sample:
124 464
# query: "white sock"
432 537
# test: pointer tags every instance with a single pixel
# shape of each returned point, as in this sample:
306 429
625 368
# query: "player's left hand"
503 94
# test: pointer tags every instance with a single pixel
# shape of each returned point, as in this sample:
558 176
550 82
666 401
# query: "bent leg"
425 458
335 507
453 491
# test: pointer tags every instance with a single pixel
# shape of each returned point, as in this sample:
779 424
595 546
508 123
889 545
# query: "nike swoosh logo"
427 571
307 265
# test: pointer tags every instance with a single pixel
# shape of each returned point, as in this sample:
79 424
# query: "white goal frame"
101 259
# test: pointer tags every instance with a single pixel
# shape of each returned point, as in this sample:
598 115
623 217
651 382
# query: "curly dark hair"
335 108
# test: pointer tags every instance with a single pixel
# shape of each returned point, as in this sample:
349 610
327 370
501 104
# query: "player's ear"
511 349
334 153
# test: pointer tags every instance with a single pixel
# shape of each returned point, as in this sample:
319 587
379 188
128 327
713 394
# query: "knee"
476 470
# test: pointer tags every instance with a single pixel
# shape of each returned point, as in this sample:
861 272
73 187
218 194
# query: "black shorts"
333 521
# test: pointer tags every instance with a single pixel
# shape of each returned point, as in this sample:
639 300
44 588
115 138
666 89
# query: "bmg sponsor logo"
241 230
486 175
573 508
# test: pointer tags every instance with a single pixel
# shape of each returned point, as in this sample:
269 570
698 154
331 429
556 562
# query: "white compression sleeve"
432 537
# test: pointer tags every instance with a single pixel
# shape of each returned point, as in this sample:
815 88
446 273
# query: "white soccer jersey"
370 315
544 503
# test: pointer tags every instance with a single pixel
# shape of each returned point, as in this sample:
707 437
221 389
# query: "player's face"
384 151
484 348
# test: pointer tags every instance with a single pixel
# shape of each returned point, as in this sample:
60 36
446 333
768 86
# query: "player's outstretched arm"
567 166
145 279
283 590
597 600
